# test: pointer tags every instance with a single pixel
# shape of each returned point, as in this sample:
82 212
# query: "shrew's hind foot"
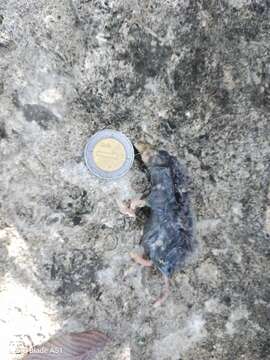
140 260
165 293
137 203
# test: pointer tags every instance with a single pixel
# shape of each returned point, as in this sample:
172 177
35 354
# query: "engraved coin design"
109 154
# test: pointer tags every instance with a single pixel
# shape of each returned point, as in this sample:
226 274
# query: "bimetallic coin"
109 154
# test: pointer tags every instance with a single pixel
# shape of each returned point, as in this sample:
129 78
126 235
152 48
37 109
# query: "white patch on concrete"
152 85
238 314
125 353
237 212
237 256
238 4
176 344
213 306
24 317
18 251
163 114
106 277
78 174
101 39
188 114
51 96
204 18
228 77
267 220
208 273
204 227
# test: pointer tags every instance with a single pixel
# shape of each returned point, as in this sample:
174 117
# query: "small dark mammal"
168 236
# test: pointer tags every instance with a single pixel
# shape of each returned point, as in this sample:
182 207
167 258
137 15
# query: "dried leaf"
74 346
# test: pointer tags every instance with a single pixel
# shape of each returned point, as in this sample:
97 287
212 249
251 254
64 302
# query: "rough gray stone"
192 77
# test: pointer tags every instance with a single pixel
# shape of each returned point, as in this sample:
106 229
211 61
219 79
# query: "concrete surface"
192 77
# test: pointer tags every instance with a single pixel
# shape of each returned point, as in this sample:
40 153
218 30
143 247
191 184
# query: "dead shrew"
168 235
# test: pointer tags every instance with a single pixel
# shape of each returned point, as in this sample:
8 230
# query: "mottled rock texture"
192 77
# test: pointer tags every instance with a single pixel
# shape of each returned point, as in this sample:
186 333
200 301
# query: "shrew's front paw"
126 209
140 260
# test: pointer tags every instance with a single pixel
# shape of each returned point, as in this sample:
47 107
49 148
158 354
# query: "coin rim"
88 154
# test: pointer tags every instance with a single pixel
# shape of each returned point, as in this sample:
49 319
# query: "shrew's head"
146 151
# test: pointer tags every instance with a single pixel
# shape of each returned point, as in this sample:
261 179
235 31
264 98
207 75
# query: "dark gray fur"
169 232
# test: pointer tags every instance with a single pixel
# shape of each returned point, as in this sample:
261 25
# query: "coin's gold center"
109 154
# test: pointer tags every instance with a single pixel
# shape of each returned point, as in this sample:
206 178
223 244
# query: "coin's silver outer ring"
105 134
